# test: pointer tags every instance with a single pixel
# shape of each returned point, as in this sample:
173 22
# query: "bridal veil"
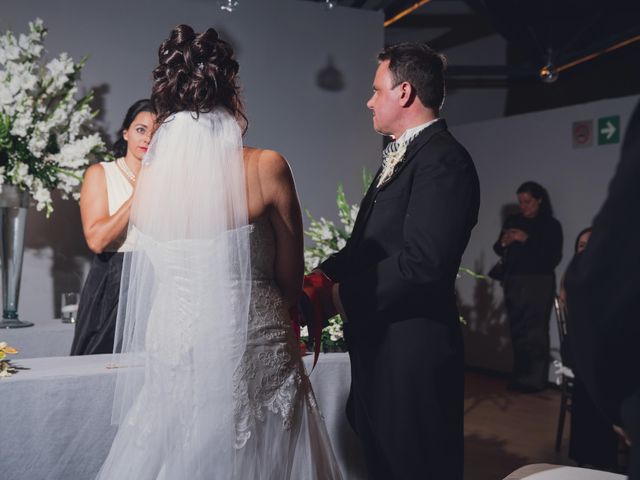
182 321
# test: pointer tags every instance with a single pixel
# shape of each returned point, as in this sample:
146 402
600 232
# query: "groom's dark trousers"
397 275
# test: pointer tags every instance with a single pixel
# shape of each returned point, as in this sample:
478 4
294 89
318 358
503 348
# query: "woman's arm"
100 229
285 216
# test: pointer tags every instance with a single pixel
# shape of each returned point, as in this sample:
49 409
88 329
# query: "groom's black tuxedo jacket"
397 275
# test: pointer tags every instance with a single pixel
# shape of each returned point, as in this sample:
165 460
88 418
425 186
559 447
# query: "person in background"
581 243
603 289
105 204
592 441
530 244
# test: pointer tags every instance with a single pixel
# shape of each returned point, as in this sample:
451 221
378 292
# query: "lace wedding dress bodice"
271 373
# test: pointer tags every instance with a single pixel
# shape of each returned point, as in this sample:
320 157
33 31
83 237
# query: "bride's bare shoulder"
268 163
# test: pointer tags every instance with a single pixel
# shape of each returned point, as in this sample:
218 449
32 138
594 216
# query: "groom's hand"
319 288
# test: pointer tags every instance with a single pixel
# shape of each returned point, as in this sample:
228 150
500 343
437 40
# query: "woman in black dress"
105 203
530 244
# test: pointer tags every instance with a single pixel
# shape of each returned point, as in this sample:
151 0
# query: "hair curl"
120 146
196 72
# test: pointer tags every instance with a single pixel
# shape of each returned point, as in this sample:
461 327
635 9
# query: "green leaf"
367 178
473 274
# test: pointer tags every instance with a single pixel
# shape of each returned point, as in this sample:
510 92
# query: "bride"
210 383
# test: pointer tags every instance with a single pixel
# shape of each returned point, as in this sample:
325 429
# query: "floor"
506 430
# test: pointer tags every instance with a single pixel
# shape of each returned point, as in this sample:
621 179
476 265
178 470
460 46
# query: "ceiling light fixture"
549 73
228 5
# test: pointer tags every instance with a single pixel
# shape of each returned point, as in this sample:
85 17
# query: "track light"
228 5
549 73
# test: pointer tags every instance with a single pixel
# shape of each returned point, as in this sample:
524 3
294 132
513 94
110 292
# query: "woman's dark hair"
144 105
538 192
582 232
196 72
422 67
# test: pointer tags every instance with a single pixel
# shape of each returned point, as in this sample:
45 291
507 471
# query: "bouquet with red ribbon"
315 308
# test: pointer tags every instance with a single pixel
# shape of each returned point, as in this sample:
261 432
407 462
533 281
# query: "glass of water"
69 306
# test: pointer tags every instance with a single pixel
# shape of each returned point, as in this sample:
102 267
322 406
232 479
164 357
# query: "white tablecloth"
45 410
47 338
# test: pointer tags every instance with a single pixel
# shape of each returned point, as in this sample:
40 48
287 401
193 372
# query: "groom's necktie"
393 154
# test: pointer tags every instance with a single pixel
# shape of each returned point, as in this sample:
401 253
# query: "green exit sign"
609 130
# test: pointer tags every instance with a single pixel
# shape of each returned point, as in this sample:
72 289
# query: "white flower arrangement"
328 238
45 142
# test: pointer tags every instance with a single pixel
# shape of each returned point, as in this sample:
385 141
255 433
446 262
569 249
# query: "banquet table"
47 338
55 417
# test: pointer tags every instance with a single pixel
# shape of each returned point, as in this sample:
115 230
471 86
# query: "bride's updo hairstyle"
197 72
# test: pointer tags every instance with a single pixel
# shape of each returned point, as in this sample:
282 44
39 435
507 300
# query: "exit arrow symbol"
609 130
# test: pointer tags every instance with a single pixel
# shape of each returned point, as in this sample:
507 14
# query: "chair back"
561 317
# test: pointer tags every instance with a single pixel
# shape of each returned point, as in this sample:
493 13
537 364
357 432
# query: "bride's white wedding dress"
275 405
212 384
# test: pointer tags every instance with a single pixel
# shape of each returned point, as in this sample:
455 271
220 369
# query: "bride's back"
272 200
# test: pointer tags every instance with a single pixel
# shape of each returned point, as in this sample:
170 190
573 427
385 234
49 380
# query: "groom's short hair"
421 66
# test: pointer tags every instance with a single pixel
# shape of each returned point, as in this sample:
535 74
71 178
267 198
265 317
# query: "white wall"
281 46
507 152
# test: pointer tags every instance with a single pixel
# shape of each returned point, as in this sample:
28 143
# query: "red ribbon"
314 285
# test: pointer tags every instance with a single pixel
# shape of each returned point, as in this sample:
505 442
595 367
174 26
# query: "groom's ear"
407 94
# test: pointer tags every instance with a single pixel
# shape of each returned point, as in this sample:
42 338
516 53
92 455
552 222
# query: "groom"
394 280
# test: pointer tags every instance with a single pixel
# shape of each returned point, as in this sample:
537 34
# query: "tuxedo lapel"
413 148
365 207
369 199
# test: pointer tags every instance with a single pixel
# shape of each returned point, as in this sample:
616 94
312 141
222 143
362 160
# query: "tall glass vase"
14 204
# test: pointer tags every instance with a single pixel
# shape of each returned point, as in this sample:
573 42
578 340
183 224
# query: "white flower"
354 212
11 52
28 181
78 118
304 332
38 142
41 195
6 99
28 81
14 84
22 169
21 123
24 41
59 70
334 329
2 169
37 25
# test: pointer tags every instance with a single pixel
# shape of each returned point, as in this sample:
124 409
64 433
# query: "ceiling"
541 31
505 44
